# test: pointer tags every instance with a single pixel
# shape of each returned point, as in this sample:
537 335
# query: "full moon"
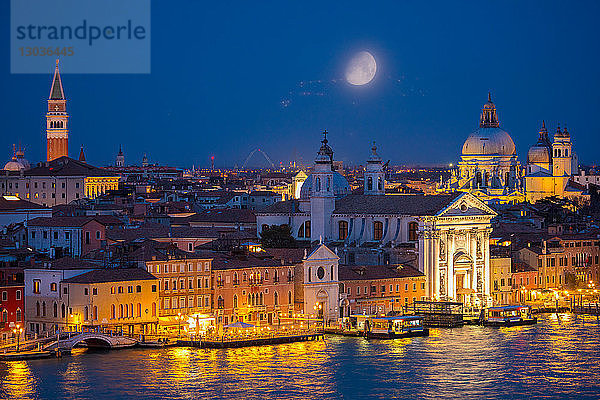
361 69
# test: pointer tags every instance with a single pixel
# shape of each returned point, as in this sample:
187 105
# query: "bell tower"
374 174
562 153
322 200
57 132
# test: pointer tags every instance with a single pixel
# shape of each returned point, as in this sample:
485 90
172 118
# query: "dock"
225 343
438 314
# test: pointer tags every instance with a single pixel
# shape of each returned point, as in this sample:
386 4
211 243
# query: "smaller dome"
13 165
538 154
340 186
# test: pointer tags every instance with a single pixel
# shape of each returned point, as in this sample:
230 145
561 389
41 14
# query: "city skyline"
280 93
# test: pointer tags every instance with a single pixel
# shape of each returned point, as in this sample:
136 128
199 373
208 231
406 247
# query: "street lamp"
318 307
179 318
17 331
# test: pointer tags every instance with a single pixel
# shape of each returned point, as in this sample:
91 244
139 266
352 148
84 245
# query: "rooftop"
112 275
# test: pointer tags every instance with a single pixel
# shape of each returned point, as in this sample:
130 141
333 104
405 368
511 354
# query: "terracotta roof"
281 207
156 231
67 263
112 275
65 166
227 261
225 215
66 221
10 203
406 204
290 256
373 272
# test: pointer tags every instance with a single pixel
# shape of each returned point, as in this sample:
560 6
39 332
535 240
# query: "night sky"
227 79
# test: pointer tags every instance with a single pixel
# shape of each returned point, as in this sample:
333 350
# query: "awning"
240 324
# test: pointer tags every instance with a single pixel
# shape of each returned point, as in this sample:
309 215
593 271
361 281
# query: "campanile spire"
57 132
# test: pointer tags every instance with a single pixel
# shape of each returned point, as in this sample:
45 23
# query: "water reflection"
557 358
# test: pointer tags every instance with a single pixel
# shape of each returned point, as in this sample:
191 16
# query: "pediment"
467 205
322 252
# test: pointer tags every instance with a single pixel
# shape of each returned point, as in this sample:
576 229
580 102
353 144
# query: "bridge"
92 339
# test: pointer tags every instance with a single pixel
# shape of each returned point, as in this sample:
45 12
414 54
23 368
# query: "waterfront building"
12 309
321 284
57 119
447 234
47 305
184 282
253 290
501 280
379 289
59 181
116 299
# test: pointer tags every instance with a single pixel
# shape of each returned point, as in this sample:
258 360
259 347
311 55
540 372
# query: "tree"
277 236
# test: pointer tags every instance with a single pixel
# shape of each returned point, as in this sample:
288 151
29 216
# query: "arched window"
301 231
318 185
63 310
18 316
377 230
331 277
290 297
245 276
95 314
131 310
220 302
370 183
120 310
112 311
275 298
235 301
379 184
412 231
235 278
266 274
86 316
4 316
307 229
55 310
154 309
566 152
261 299
139 310
310 274
343 230
249 300
478 178
43 308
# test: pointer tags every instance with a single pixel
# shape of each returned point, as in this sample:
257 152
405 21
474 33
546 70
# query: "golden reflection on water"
19 382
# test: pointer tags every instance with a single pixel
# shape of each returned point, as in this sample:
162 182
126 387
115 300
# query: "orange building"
253 290
57 131
375 289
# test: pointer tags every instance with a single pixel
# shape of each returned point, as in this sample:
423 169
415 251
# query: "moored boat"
509 316
397 327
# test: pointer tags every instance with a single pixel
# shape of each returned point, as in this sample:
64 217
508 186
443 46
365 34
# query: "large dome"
489 141
340 186
13 165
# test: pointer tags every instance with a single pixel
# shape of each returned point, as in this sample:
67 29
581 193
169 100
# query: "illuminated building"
57 131
12 308
551 166
448 234
320 294
375 289
489 168
252 290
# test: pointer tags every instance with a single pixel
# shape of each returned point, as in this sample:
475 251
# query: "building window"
18 295
98 235
153 288
343 230
86 292
138 289
289 297
307 232
377 230
235 301
129 289
36 286
19 316
412 231
87 237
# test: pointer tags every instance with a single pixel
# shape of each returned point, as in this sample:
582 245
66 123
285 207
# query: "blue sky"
228 78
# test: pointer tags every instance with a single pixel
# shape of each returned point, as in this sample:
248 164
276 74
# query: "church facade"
446 234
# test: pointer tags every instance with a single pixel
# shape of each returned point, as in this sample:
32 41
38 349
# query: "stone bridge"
93 339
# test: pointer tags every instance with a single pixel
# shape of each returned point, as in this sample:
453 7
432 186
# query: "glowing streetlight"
18 331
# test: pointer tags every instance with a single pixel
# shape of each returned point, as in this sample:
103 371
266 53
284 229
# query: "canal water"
557 358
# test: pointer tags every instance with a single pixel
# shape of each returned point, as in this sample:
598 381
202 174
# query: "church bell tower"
322 200
374 174
57 132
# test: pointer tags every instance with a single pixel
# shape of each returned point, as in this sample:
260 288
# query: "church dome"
13 165
340 186
538 154
489 139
